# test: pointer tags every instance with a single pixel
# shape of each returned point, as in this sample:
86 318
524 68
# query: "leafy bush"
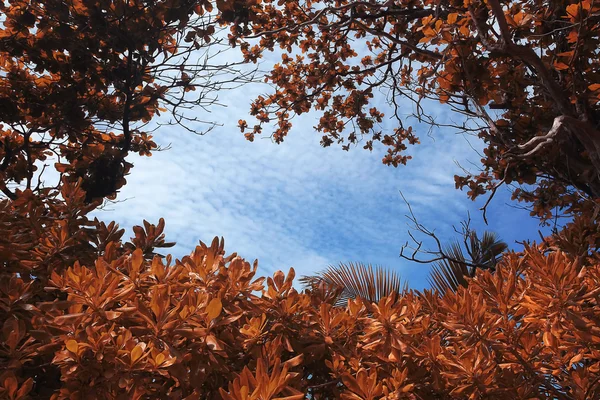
123 322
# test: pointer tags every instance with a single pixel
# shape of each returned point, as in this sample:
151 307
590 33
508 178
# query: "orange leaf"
25 388
72 346
549 339
559 66
112 315
137 352
214 308
452 18
61 167
573 10
576 359
137 258
10 384
294 362
213 343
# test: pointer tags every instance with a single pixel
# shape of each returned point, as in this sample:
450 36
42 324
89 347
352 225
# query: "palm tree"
352 280
452 270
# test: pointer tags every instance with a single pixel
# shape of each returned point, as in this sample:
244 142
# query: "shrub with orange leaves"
123 322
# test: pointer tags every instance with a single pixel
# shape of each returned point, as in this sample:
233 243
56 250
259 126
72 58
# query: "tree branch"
528 55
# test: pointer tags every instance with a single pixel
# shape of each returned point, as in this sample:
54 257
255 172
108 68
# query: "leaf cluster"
80 81
86 315
522 75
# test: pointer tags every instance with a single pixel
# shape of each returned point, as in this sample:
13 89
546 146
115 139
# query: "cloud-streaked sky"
300 205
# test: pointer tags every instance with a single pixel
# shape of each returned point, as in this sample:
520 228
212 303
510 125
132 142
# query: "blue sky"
300 205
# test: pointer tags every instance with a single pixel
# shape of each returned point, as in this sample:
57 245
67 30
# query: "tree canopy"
82 79
523 73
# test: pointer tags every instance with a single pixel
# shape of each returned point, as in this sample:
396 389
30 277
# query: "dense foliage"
81 80
85 314
104 319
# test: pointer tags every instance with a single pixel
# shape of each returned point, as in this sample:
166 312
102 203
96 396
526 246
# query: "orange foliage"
80 79
86 316
524 73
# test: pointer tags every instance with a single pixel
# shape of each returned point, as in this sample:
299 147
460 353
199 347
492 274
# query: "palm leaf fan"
354 280
452 272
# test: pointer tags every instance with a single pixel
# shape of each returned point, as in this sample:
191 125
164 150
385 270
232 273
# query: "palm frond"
449 274
491 248
354 280
452 272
